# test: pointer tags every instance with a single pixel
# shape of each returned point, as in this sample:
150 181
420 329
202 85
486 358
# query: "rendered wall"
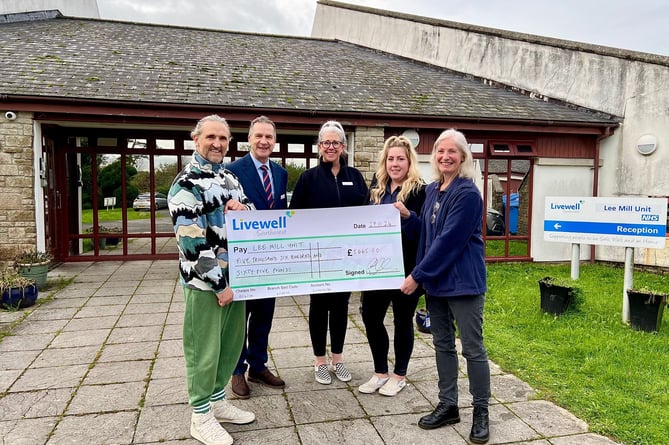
72 8
624 83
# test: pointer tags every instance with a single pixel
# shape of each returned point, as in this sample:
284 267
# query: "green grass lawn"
111 215
586 360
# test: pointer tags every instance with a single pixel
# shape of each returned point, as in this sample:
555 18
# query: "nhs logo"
649 217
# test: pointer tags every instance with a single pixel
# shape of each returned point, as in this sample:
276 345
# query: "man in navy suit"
264 183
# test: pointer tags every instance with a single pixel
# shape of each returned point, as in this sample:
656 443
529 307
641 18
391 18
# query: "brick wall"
17 218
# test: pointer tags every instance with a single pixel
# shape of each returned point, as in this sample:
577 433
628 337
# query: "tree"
294 172
110 184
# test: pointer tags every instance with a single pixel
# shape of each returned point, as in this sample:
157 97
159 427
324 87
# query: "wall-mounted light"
413 137
646 144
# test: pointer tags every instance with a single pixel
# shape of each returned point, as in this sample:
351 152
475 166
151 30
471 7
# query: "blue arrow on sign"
602 228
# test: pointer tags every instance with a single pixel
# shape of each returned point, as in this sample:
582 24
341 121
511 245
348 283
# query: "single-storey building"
96 112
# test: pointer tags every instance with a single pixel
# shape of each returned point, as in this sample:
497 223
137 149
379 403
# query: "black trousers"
374 308
328 310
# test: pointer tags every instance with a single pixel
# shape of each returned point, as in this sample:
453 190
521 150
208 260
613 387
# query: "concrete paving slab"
505 426
91 323
75 339
324 406
91 399
167 391
549 419
102 362
409 400
284 436
7 379
129 351
96 429
160 424
26 431
49 378
403 429
112 310
17 359
36 403
156 307
173 331
65 356
166 367
133 334
344 432
113 372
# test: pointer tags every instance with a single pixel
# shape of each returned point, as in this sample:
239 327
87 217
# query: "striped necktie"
267 185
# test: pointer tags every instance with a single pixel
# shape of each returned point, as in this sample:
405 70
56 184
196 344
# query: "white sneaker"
372 385
207 430
224 411
392 387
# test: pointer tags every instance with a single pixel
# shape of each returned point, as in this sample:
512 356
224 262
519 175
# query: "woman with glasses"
397 181
331 183
450 266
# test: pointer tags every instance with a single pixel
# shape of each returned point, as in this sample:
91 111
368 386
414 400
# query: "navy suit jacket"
247 173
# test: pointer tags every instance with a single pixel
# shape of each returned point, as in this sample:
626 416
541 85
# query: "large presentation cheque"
275 253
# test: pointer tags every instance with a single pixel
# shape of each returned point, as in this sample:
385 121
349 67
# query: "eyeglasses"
435 209
335 144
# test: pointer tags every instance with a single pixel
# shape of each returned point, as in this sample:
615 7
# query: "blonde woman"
398 182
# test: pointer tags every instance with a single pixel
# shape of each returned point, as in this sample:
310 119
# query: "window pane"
106 142
165 144
137 143
295 148
501 148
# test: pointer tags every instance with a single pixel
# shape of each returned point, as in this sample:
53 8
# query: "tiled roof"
117 61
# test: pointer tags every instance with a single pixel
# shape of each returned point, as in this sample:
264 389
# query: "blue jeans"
467 313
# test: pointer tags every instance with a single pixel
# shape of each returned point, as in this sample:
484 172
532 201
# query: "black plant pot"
555 299
646 310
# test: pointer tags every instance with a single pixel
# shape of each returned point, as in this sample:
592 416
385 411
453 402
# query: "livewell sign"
628 222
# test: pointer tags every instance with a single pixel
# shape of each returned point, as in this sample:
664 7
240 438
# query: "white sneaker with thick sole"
224 411
372 385
206 429
392 387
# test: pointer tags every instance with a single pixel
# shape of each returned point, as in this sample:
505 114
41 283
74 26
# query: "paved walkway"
101 363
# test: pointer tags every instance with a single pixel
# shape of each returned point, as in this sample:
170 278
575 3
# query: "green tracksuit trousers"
212 340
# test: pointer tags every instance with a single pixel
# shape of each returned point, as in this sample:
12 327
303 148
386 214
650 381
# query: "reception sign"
628 222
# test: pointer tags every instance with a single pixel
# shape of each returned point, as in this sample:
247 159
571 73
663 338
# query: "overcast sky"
641 25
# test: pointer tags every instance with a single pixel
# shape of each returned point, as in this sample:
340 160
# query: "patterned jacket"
196 202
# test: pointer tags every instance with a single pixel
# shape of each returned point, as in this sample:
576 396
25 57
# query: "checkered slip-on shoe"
342 372
322 374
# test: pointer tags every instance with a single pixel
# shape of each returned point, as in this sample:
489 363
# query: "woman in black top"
330 184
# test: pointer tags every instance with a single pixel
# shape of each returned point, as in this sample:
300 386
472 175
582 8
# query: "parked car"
143 201
494 223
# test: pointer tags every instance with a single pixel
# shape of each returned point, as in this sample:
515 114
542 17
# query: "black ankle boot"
480 432
442 415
